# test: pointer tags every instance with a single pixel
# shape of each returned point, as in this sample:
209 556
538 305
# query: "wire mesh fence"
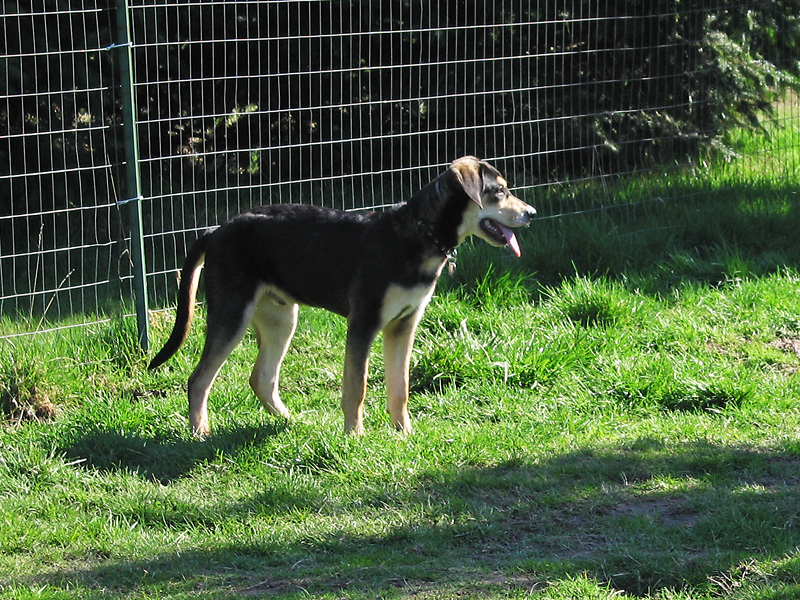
59 228
352 105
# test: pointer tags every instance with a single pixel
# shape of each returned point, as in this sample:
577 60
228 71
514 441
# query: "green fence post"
133 190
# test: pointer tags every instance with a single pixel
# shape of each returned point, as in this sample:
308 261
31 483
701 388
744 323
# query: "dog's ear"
467 172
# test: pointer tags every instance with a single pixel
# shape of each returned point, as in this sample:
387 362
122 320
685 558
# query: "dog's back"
312 254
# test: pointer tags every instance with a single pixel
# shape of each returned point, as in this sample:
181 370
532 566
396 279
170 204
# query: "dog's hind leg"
274 324
225 328
398 339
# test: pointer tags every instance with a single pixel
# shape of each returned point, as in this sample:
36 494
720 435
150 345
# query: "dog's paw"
402 423
201 432
356 429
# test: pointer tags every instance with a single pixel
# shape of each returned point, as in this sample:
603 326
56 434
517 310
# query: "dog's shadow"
162 457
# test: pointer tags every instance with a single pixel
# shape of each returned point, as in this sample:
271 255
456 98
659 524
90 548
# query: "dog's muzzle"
526 217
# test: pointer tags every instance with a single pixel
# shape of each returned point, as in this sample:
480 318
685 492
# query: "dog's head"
493 210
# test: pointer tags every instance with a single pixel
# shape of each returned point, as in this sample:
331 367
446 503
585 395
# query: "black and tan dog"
377 269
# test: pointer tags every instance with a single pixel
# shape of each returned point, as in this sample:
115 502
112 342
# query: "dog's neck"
422 214
428 231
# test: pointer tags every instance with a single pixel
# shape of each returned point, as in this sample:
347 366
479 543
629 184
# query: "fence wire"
345 104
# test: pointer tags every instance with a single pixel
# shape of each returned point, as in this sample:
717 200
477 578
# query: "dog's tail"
187 292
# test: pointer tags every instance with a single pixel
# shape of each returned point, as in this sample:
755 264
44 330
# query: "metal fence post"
133 189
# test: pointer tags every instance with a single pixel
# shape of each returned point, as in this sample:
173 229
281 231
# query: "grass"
615 415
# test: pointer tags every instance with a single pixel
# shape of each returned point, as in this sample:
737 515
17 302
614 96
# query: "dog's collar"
449 252
451 261
426 229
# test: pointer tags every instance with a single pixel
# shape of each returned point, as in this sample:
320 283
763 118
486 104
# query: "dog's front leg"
354 388
398 339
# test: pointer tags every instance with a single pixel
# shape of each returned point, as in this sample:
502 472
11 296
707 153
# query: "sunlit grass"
613 415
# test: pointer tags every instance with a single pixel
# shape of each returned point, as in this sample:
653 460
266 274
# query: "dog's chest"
400 301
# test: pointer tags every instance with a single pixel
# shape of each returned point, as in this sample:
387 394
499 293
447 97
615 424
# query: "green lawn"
615 415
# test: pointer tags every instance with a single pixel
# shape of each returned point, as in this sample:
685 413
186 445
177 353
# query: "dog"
376 269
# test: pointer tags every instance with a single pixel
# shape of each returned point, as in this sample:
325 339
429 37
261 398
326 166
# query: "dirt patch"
668 512
456 583
272 587
31 404
790 345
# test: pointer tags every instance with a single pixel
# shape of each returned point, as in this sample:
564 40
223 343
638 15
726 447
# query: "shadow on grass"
639 518
163 458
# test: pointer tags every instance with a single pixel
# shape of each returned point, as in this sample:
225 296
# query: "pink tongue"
511 239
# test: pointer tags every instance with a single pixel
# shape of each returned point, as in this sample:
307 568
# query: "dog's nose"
530 212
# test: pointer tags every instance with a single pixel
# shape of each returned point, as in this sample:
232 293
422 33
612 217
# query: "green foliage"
590 302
